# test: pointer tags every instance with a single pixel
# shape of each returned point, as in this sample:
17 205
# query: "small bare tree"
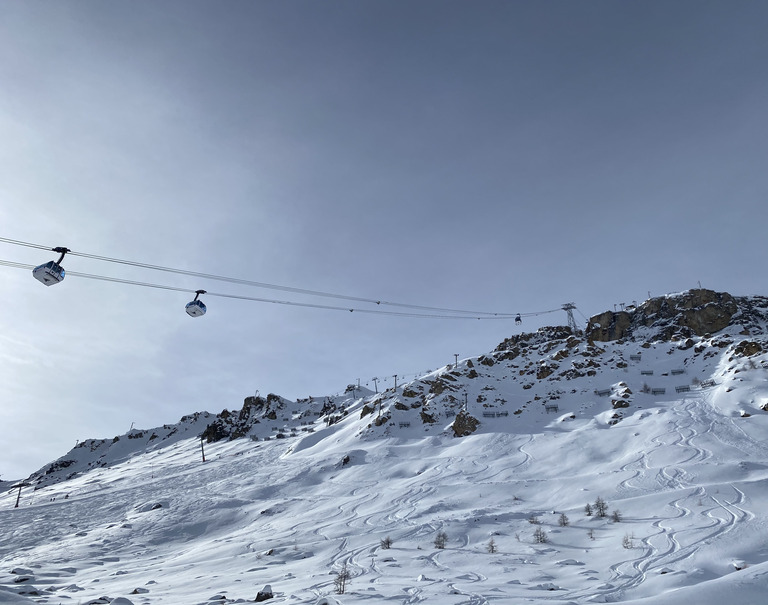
534 520
441 539
386 543
588 510
491 546
616 516
601 508
628 541
540 536
563 520
342 577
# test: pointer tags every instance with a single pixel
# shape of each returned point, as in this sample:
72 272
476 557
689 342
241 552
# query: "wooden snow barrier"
661 391
603 392
405 425
551 407
646 372
683 389
635 357
677 372
708 384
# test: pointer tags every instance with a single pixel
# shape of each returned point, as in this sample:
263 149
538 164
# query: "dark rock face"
695 312
233 425
609 326
513 344
464 424
264 594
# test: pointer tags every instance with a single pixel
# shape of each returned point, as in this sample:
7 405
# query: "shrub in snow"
440 539
491 546
540 536
386 543
342 577
563 520
601 507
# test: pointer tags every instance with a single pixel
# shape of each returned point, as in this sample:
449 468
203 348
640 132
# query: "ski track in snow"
306 514
631 573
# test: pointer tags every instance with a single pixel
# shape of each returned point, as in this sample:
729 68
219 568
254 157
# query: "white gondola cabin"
196 308
51 272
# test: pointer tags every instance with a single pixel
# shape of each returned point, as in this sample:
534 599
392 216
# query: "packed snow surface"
683 476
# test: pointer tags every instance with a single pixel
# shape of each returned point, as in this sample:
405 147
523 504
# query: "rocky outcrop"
233 425
464 424
678 316
609 326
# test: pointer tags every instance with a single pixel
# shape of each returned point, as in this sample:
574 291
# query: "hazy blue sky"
504 156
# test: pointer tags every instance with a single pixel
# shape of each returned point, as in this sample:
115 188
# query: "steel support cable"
253 298
246 282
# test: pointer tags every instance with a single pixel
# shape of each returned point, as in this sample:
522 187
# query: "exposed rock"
747 348
609 326
543 335
677 316
382 420
427 418
464 424
545 370
264 594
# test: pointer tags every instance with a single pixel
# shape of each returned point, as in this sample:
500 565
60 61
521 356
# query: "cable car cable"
257 299
271 286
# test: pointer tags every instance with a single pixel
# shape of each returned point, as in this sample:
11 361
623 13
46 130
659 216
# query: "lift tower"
568 308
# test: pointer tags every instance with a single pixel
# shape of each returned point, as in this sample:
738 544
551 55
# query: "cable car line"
275 286
263 300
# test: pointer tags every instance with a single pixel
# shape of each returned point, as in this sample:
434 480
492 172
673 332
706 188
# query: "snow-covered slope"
502 453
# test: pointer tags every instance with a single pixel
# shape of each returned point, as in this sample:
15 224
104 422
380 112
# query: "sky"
505 157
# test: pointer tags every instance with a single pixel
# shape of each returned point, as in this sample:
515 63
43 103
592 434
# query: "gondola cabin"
196 308
49 274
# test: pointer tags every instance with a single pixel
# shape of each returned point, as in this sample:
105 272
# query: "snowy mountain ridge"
526 374
649 411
